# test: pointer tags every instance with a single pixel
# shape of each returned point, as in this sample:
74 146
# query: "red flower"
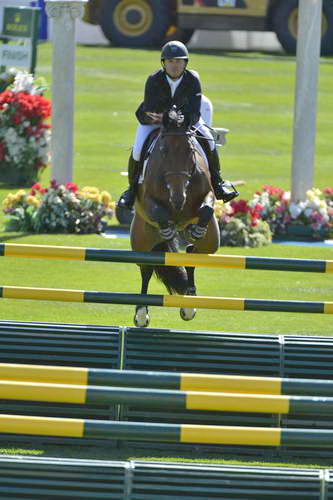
273 191
17 118
71 186
36 186
240 206
6 98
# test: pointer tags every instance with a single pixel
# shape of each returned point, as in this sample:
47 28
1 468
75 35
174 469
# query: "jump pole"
51 294
164 380
176 433
165 258
154 398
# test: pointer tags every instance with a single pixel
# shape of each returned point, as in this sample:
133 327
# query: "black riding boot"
223 190
128 197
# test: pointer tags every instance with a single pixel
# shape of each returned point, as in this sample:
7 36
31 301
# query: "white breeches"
206 110
143 131
201 127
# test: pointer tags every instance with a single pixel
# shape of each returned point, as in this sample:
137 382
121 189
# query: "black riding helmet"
174 50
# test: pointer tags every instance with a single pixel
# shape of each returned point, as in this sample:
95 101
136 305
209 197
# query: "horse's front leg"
161 216
143 238
188 313
141 317
199 230
209 244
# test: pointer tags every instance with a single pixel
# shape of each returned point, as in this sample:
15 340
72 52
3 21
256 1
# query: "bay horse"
175 200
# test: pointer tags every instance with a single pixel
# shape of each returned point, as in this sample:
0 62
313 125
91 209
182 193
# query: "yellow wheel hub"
133 17
293 23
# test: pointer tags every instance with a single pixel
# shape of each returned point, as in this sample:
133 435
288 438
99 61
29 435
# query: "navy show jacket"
158 97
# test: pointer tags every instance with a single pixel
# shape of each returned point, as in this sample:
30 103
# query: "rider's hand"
155 117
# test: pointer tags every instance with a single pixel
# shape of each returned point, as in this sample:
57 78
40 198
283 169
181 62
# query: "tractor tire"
135 23
284 20
181 34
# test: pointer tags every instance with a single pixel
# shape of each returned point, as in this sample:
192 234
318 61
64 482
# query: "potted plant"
24 133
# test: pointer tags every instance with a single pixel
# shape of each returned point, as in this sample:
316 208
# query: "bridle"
164 153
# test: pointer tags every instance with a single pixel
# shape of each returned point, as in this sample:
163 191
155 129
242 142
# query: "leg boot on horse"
128 197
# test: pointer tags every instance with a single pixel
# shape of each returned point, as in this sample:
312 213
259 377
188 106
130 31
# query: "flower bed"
58 209
24 134
241 224
270 213
312 217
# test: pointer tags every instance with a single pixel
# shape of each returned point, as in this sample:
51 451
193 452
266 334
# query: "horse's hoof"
141 317
187 313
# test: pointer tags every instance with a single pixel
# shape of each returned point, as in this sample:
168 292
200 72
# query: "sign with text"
18 22
19 36
15 55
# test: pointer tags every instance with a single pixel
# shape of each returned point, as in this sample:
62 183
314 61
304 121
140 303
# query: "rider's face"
174 67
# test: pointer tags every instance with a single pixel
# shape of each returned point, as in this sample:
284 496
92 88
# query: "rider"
173 84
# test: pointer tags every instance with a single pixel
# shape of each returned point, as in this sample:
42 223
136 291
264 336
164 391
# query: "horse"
175 201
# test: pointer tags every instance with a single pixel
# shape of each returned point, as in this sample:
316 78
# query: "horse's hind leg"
141 317
188 313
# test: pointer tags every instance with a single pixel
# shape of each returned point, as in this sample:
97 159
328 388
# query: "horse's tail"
173 277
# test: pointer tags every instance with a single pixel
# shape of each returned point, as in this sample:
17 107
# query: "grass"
253 96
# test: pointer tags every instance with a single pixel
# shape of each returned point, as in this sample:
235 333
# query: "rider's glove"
173 114
180 119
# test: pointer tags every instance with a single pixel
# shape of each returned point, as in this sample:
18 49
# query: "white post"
308 53
63 14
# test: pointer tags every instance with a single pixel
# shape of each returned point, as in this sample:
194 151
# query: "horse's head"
173 119
177 156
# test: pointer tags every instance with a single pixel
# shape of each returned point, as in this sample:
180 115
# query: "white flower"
296 209
314 203
24 82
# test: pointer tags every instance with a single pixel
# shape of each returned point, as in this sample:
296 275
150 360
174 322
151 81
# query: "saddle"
147 148
148 145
